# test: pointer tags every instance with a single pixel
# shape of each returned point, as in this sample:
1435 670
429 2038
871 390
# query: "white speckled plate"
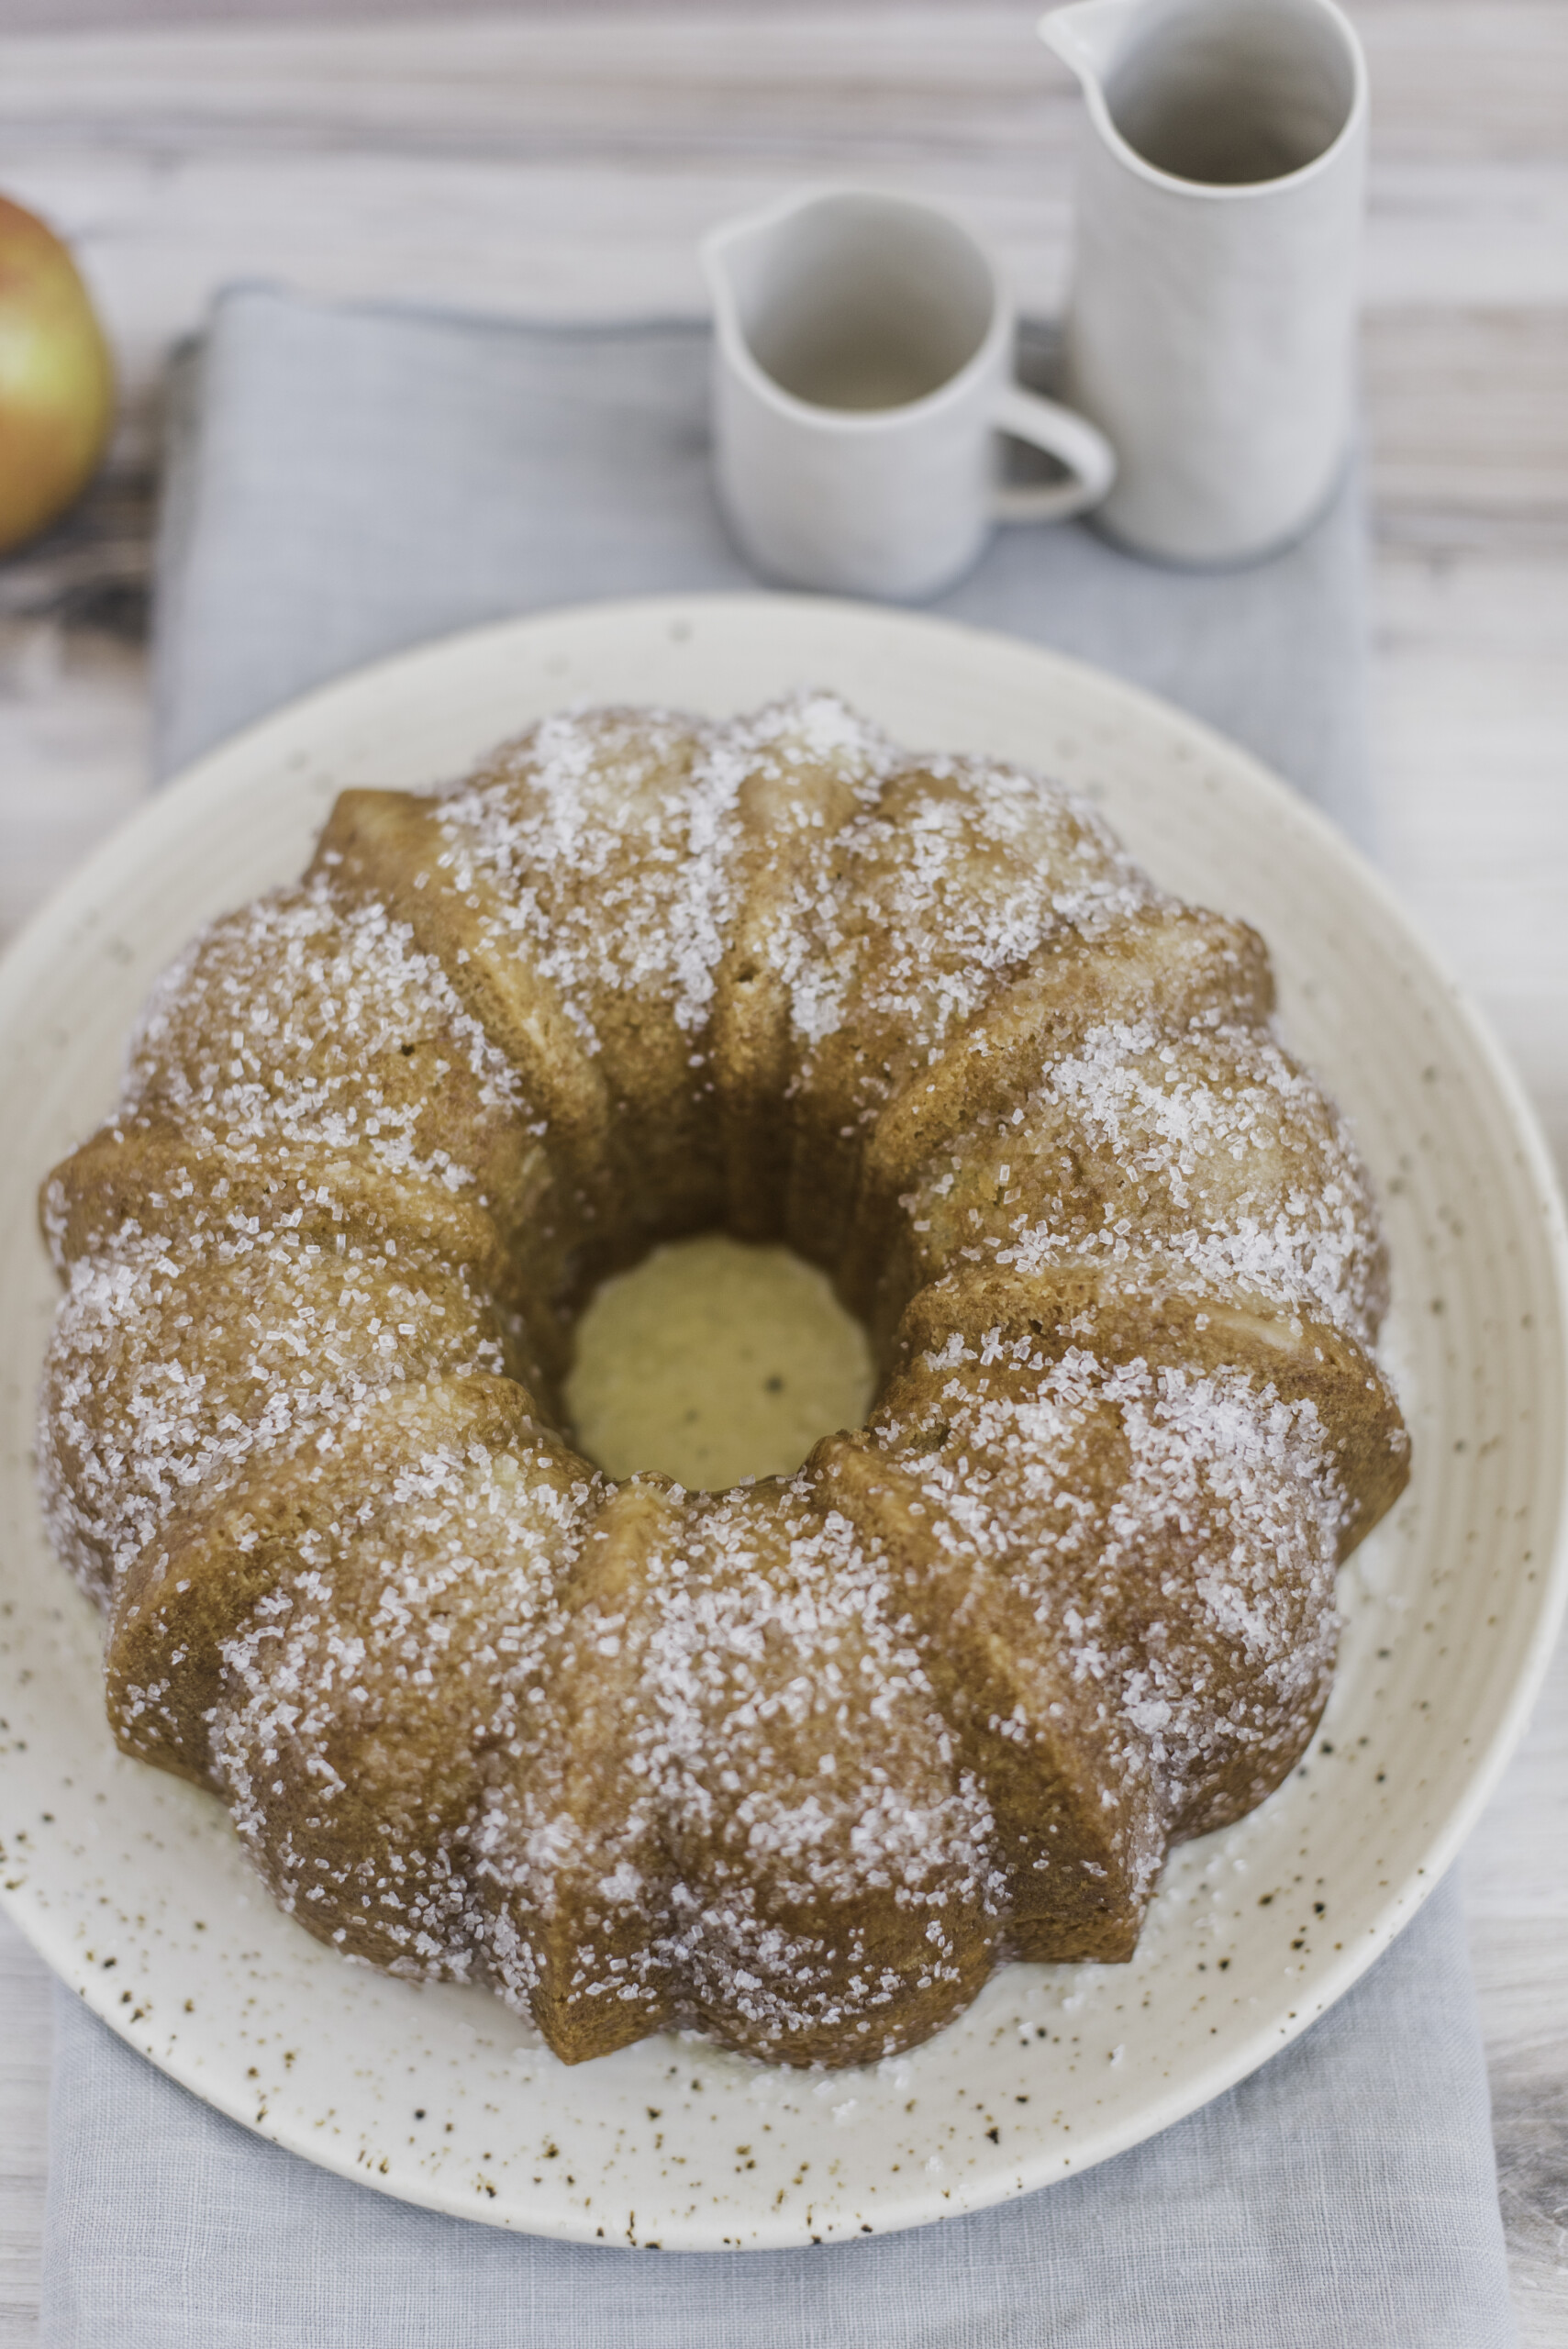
132 1885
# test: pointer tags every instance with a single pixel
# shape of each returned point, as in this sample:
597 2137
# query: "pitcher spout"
1089 36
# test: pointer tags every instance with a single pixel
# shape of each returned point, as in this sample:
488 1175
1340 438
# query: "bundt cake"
798 1763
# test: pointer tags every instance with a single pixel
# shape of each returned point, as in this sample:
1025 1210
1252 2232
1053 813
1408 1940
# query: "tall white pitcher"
1211 327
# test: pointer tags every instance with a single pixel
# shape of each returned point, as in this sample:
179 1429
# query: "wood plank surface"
562 162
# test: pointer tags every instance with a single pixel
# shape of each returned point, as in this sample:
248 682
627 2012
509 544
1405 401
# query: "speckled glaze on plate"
132 1885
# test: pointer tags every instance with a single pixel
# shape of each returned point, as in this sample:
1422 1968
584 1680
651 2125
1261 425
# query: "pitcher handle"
1073 439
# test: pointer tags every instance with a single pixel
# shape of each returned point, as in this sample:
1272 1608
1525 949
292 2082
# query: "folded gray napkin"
346 481
1343 2197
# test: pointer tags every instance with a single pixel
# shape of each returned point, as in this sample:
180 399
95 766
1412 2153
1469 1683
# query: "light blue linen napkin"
1343 2197
346 481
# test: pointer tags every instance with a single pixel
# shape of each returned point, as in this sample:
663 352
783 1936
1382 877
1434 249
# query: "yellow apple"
57 381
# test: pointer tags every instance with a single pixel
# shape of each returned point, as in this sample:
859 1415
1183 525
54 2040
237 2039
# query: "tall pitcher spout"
1089 35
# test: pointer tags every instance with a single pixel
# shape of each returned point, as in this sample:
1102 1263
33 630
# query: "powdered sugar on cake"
798 1762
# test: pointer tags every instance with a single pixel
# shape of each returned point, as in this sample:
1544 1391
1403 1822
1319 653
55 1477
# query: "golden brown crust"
798 1763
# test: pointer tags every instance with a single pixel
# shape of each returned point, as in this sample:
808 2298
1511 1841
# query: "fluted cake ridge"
800 1762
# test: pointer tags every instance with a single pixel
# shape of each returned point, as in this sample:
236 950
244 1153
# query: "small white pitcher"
1211 328
862 368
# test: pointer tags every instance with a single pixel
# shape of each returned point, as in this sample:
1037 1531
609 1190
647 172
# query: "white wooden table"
562 164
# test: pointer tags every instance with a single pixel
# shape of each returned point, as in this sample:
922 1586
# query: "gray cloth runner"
348 482
343 482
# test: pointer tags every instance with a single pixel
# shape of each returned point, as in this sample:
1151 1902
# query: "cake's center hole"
713 1361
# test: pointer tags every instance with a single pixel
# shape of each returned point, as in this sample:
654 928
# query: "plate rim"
49 929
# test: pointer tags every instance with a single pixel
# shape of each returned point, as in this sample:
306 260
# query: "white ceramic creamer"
1211 327
863 369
